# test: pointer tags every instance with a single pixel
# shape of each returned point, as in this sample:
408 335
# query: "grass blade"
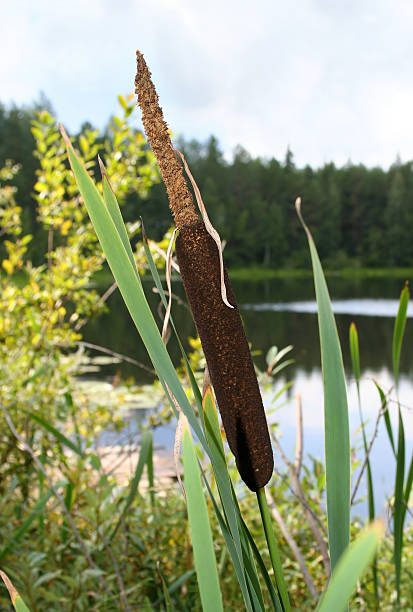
273 594
355 360
336 426
273 550
239 568
354 352
350 569
151 473
399 327
231 510
399 508
56 433
204 555
408 488
16 599
384 409
113 208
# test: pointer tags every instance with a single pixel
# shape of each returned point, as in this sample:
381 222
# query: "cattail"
219 327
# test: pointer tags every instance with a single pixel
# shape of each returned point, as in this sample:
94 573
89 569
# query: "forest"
360 216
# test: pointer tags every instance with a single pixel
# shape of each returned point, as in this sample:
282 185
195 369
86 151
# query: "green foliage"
204 556
43 307
336 426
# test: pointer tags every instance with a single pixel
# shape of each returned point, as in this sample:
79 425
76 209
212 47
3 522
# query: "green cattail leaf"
399 327
112 206
229 502
239 569
408 488
125 275
269 584
201 535
355 359
350 569
16 599
336 426
399 509
354 351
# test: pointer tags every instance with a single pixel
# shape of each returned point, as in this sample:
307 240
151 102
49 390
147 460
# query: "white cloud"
331 82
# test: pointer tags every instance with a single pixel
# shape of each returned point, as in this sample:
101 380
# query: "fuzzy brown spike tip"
180 198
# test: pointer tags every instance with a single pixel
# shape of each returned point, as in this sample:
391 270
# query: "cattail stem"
273 550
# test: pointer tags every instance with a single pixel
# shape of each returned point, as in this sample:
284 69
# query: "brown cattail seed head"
219 327
227 354
180 198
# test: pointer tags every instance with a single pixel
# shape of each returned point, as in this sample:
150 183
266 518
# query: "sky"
332 80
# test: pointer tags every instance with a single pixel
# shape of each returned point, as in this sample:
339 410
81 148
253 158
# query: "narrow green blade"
399 327
336 427
131 290
384 408
231 511
273 594
354 352
399 508
201 535
112 205
350 569
16 599
56 433
355 360
408 488
239 569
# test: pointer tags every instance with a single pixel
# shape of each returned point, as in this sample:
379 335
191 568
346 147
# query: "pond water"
283 312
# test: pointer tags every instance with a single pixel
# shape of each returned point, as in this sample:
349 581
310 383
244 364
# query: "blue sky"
333 80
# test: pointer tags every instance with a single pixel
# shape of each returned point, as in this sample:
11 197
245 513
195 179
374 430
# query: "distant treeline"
359 216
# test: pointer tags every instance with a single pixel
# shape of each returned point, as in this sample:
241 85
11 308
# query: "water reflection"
361 307
310 385
282 313
266 327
